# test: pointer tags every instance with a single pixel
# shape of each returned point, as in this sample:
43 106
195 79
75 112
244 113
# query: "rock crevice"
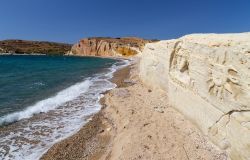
207 77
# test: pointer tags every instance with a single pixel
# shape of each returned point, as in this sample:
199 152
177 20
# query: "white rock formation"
207 77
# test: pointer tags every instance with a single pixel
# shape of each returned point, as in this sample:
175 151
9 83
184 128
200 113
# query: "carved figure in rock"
223 81
179 65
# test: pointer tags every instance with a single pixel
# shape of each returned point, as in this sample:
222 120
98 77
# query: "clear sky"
71 20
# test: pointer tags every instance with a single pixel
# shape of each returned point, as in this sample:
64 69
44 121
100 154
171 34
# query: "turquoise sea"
44 99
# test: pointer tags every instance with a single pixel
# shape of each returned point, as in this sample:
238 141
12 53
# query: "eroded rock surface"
101 46
207 77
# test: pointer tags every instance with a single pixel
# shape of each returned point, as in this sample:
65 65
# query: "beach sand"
136 122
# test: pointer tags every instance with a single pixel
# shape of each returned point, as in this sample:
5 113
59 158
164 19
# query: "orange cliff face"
101 46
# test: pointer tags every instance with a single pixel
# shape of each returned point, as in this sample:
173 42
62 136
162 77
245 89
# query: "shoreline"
64 55
39 138
91 140
135 122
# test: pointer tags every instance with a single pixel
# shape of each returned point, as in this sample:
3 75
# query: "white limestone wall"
207 77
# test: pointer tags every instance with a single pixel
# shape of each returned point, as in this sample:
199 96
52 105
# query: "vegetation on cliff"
34 47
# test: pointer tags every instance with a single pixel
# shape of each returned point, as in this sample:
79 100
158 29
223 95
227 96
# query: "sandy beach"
136 122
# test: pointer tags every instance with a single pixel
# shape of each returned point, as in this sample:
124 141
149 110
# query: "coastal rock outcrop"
207 77
33 47
103 46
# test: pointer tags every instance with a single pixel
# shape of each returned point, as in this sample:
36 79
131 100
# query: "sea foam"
48 104
71 108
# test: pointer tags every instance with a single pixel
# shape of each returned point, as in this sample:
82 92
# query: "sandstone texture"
207 77
104 46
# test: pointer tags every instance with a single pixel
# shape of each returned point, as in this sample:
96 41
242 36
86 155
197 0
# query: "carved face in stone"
180 60
223 81
181 63
179 69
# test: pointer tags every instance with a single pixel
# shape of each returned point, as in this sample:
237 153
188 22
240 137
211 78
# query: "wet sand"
136 122
92 141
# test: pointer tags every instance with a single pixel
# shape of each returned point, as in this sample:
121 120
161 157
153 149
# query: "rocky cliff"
207 77
33 47
103 46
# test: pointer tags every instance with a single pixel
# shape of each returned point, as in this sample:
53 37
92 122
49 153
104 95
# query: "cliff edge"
207 77
105 46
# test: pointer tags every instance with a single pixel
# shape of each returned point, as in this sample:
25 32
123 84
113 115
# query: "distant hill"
34 47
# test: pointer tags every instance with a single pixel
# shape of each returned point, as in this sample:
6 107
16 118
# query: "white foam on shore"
48 104
70 106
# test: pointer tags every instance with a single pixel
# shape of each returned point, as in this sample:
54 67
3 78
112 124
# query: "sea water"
45 99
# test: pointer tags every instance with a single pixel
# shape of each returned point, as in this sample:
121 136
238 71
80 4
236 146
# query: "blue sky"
71 20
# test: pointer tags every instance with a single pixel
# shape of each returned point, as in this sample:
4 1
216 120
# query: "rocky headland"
95 46
109 47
